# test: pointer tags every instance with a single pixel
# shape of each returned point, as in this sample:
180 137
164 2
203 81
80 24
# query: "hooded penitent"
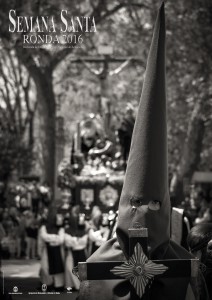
145 197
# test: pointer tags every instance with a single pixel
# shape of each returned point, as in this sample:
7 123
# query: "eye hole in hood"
154 205
136 202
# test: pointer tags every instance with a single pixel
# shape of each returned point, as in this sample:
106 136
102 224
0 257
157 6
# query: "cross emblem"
139 270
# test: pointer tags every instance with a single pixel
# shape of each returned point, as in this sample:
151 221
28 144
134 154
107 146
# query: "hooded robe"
145 198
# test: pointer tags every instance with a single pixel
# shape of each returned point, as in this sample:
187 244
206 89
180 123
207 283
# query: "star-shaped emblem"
139 270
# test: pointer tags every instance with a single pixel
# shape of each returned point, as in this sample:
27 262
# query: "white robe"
55 240
73 243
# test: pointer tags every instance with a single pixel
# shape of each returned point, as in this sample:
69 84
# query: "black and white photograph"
105 150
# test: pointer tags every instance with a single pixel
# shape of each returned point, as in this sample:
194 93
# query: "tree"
128 26
42 63
189 77
17 109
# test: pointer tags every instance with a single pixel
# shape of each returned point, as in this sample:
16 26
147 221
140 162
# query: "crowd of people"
71 233
20 218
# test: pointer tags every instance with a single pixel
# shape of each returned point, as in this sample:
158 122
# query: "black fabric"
78 256
55 260
176 269
74 229
32 232
51 221
52 230
94 247
125 134
35 205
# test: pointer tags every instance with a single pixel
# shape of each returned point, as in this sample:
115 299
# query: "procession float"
95 171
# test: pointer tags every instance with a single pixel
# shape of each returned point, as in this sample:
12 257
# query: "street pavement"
20 281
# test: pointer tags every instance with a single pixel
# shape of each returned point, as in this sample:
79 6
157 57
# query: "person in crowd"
23 203
65 206
200 245
180 226
206 217
103 230
42 220
13 221
87 213
6 223
98 235
42 217
51 252
2 234
21 235
91 212
3 291
31 234
35 196
84 140
76 239
5 217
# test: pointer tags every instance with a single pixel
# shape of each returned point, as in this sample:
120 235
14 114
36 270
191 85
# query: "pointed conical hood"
146 180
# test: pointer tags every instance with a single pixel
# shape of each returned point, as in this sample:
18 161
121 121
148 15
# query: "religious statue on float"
90 144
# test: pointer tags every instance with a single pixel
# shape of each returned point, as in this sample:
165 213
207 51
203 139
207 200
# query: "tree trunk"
191 154
43 78
31 131
47 117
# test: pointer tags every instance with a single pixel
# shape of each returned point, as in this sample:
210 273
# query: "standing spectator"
31 234
200 245
2 235
43 216
21 234
35 196
5 239
23 203
13 230
206 217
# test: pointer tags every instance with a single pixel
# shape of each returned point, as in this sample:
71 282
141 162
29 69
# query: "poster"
71 77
